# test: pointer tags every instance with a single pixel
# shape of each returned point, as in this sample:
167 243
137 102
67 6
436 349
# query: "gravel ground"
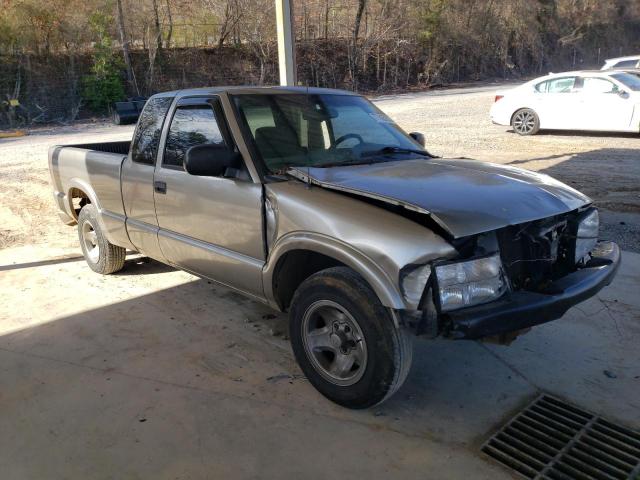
455 123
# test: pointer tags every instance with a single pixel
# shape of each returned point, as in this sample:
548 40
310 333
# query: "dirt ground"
153 373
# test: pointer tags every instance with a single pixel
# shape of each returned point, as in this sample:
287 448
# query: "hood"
465 197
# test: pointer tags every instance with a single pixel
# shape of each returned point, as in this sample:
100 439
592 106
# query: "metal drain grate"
552 439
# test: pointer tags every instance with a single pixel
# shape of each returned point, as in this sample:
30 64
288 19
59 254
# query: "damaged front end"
506 281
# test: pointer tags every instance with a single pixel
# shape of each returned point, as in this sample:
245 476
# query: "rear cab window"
144 147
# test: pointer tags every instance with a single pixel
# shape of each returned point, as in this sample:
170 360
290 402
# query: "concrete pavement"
114 377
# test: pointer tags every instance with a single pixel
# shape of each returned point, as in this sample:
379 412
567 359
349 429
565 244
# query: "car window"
144 147
598 85
352 122
318 130
191 125
625 64
557 85
631 81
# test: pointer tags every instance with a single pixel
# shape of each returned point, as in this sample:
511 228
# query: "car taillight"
498 97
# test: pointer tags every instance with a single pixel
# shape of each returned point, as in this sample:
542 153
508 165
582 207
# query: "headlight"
587 236
469 283
414 280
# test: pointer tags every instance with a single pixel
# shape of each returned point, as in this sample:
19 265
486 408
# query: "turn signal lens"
587 235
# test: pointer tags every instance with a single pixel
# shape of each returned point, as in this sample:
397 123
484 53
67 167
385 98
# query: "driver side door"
211 226
603 107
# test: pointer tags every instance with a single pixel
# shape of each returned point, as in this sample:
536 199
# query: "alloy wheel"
524 122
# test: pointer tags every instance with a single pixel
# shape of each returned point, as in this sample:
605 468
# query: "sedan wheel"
525 122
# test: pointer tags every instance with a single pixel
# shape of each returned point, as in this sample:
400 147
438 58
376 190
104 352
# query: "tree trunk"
326 19
170 31
124 41
156 21
354 50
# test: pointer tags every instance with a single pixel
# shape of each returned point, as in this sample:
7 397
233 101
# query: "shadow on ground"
611 177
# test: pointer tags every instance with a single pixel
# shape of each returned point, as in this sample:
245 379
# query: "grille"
552 439
537 252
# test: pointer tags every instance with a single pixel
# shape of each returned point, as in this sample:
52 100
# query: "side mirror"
418 137
210 160
623 94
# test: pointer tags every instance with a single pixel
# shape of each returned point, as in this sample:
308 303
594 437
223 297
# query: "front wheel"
345 340
525 122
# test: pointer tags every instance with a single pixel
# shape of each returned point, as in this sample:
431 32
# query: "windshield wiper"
391 149
355 161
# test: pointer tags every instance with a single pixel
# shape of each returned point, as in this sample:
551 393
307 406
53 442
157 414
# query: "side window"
598 85
191 125
561 85
626 64
557 85
144 147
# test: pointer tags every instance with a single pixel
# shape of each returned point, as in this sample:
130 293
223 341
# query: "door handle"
160 187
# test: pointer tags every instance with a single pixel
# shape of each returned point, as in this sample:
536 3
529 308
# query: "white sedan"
586 100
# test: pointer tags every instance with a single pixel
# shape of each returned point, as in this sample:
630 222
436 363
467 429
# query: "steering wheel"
347 137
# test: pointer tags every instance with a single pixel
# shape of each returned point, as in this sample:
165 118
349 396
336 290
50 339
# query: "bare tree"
354 54
170 20
124 41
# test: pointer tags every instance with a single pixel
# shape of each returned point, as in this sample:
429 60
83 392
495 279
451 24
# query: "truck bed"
121 147
90 170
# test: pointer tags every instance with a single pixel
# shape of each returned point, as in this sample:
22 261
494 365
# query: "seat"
277 142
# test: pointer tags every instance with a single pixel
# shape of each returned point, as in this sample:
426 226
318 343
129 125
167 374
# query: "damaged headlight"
471 282
587 235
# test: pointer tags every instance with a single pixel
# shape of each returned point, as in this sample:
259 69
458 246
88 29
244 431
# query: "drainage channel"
552 439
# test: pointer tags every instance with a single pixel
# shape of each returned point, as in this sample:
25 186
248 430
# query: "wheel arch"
282 275
516 110
78 190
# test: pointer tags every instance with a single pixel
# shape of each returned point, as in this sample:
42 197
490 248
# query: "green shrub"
104 85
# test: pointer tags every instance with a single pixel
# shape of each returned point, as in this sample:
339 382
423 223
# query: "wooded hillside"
64 58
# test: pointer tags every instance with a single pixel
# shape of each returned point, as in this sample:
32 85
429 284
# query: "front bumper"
522 309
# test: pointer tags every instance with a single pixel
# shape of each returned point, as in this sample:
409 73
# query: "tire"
101 256
525 122
345 340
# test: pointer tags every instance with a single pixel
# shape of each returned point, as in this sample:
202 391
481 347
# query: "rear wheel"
101 255
345 340
525 122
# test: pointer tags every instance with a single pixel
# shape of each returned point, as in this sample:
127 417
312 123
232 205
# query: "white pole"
286 42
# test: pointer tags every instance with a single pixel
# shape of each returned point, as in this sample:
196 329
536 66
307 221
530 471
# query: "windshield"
301 130
630 81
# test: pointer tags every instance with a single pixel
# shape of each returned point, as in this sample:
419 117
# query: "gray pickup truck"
314 202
